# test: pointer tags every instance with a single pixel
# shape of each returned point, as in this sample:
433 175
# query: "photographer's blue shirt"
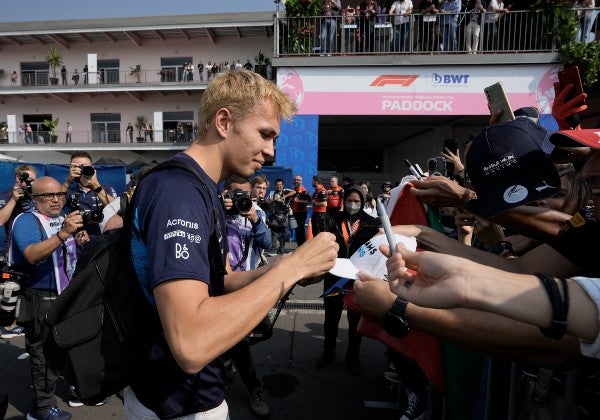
179 233
26 232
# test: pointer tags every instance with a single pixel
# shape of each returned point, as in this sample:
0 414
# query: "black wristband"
97 190
560 307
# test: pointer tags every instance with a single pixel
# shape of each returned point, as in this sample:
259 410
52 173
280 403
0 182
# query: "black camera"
241 201
89 215
10 290
24 177
263 203
87 170
303 195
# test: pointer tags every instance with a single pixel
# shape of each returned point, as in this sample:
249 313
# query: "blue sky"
33 10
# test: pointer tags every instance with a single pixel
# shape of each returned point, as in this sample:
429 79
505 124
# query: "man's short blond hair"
241 91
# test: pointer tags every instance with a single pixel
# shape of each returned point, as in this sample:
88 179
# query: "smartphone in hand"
451 144
570 75
497 100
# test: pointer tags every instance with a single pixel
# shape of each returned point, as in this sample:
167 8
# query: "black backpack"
96 330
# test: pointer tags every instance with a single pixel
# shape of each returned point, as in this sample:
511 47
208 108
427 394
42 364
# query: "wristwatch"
394 321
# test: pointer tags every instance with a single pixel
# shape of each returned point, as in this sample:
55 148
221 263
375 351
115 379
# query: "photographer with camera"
85 193
258 192
43 245
248 236
12 203
16 200
280 216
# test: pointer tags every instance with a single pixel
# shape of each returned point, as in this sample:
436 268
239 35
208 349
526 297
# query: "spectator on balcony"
448 23
149 132
369 9
429 34
330 10
129 131
69 133
476 10
63 75
14 78
349 29
201 70
401 10
75 77
21 132
85 74
209 70
586 19
494 11
28 134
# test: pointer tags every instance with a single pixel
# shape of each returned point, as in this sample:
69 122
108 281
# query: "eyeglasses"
51 195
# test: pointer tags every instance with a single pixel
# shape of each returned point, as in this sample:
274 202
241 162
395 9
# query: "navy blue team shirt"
179 233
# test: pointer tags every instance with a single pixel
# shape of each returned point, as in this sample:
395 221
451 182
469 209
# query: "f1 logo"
395 79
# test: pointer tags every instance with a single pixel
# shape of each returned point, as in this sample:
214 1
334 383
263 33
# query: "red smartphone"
570 75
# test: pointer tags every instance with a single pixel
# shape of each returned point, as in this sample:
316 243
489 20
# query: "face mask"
352 208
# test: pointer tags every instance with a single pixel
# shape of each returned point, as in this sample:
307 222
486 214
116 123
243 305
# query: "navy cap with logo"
508 167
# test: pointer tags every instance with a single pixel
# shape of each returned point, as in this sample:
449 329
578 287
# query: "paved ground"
294 387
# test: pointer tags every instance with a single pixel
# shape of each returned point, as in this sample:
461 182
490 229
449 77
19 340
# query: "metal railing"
100 136
108 77
517 31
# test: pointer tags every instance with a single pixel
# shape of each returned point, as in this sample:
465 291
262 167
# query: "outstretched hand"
436 280
441 191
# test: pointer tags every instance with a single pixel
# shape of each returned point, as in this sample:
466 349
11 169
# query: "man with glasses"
43 245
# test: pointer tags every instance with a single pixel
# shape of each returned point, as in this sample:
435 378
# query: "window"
106 128
108 71
172 69
34 73
178 127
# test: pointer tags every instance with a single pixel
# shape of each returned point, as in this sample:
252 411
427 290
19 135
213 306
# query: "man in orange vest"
319 203
299 207
335 197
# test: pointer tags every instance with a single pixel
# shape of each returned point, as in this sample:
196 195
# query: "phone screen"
451 144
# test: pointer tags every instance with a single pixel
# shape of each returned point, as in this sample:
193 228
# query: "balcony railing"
109 77
517 31
100 136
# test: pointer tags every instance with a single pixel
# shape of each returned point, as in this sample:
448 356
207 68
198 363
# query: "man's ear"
223 121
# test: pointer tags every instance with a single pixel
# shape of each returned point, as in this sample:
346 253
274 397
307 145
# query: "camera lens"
243 204
87 170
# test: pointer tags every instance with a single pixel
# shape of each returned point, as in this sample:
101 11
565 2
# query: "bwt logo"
451 79
395 79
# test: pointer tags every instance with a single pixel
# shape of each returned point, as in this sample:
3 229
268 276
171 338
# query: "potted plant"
136 71
51 126
54 60
140 124
262 63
